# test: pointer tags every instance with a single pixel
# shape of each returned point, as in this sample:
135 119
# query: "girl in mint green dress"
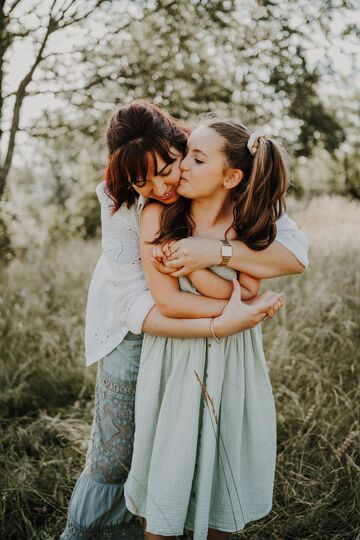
205 435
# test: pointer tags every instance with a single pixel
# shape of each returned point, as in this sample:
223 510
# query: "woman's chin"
171 200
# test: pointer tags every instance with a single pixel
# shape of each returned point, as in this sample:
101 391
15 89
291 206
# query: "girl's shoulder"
152 209
150 219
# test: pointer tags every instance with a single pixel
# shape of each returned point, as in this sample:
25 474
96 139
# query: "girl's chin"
181 190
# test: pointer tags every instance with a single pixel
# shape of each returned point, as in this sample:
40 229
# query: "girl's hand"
160 266
188 254
238 316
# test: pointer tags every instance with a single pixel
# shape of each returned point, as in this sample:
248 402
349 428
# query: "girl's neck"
210 214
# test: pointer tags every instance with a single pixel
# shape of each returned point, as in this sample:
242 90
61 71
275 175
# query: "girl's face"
202 170
162 186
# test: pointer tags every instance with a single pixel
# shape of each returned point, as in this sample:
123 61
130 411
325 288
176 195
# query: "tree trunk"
3 176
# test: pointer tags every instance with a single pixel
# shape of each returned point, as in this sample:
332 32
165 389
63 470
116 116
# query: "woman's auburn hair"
135 133
259 199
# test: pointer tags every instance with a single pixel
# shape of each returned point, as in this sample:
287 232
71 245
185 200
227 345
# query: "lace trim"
125 389
74 530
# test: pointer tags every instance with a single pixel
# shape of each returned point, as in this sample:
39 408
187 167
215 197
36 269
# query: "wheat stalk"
213 417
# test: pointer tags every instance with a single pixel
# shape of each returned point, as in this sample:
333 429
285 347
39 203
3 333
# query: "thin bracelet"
217 339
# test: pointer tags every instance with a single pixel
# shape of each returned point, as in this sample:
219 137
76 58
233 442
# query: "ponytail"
261 200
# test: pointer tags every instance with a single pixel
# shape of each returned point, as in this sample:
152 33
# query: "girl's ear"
232 178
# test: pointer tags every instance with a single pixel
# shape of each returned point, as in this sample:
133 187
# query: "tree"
21 19
248 58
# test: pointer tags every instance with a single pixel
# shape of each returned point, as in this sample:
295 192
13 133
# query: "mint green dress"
202 459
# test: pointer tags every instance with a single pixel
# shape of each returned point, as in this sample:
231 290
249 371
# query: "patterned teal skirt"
97 507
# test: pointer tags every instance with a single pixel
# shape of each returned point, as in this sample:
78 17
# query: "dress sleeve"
290 236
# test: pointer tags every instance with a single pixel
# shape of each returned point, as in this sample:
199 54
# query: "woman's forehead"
156 162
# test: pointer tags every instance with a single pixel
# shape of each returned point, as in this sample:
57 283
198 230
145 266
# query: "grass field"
313 351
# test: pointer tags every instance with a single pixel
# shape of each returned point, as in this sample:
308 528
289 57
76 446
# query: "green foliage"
247 59
312 348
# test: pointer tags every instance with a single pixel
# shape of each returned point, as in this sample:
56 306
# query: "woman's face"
202 170
162 186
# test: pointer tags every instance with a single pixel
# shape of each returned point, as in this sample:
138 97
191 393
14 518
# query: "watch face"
226 251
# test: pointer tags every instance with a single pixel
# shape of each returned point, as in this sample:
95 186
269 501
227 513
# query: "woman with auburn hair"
205 439
145 148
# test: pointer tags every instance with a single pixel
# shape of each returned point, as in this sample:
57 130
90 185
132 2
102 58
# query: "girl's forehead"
205 139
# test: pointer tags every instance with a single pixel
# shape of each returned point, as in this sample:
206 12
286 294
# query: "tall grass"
45 393
312 349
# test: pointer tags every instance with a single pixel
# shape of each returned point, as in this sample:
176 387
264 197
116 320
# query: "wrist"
226 252
218 327
219 257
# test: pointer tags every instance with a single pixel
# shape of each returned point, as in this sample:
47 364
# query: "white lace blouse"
119 299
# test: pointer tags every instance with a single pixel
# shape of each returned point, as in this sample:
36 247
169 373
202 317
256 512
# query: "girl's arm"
210 284
169 299
250 286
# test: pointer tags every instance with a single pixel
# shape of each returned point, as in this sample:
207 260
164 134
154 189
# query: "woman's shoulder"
107 202
103 194
285 222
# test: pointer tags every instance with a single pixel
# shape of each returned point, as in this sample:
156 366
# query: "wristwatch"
226 252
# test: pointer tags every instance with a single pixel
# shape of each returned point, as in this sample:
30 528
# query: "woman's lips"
168 194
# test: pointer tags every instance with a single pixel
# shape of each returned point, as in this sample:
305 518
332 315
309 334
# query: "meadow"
313 352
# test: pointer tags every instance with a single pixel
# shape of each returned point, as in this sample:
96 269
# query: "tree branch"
20 94
13 6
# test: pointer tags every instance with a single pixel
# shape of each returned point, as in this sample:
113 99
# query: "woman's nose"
160 188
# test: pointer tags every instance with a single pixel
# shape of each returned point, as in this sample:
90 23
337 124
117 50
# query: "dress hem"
217 527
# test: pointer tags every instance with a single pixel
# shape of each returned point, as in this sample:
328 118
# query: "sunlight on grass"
312 349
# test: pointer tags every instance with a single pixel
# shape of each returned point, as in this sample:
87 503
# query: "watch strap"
226 252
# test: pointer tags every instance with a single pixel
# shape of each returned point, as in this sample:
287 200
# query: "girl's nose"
183 164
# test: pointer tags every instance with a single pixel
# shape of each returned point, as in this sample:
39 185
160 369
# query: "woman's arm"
288 254
195 253
170 300
236 317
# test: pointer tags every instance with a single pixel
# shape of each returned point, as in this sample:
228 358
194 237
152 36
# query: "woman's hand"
238 316
186 255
